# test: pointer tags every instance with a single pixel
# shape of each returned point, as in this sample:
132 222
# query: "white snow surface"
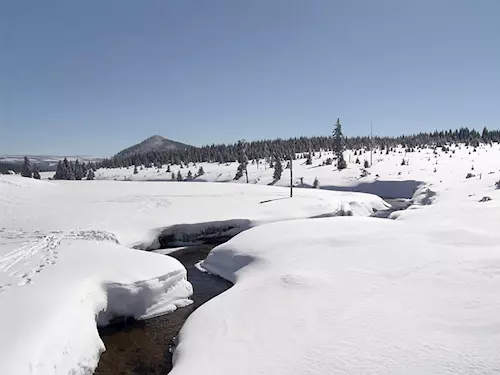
66 261
416 295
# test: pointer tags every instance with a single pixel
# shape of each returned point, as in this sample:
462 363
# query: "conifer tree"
278 170
179 176
339 145
201 172
36 174
26 171
90 175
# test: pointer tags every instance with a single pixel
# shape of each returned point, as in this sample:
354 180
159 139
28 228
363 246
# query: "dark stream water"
144 347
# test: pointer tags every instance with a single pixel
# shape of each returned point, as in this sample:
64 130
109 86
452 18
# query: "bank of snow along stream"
145 347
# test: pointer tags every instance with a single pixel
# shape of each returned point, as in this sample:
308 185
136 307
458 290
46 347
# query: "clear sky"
92 77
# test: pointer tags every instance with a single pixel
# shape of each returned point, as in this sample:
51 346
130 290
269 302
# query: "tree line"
280 149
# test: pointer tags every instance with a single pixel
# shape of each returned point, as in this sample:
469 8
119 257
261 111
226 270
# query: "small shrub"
470 175
316 183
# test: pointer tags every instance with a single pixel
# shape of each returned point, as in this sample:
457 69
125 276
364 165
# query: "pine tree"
135 169
278 170
60 173
168 168
316 183
179 176
78 170
189 176
339 145
201 172
367 165
90 175
69 168
36 174
309 160
242 160
26 171
173 176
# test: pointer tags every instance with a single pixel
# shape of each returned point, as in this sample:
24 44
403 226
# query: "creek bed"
144 347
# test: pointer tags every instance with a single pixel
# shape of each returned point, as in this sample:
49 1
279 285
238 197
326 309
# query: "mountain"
154 143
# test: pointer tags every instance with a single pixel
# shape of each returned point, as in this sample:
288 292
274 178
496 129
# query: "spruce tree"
26 171
135 169
36 174
179 176
309 160
316 183
201 172
78 170
90 175
173 176
278 170
242 160
60 171
339 145
189 176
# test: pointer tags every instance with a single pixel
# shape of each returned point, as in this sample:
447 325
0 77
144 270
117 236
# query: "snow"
415 295
313 293
66 262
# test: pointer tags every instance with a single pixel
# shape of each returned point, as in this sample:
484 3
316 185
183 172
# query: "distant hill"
154 143
43 162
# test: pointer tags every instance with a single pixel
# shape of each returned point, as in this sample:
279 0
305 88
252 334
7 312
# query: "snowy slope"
65 261
424 166
416 295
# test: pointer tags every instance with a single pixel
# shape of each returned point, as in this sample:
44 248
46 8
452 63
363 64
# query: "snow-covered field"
66 261
417 295
313 294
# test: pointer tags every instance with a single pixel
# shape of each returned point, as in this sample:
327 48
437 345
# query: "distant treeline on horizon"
280 149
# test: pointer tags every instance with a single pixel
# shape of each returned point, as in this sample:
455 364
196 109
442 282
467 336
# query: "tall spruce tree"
242 160
339 145
90 175
26 171
278 169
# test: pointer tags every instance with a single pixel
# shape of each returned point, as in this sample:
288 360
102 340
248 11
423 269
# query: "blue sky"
93 77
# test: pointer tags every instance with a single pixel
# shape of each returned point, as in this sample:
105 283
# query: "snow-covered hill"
426 165
154 143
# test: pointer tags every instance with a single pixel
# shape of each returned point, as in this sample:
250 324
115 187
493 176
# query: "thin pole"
291 175
371 143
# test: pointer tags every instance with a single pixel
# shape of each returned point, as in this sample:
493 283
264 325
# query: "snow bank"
416 295
65 262
348 295
50 307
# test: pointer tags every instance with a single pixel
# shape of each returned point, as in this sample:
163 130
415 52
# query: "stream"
145 347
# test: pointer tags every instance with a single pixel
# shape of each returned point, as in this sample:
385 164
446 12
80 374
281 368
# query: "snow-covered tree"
278 170
90 175
26 171
135 169
242 160
201 172
179 176
36 174
339 145
316 183
189 176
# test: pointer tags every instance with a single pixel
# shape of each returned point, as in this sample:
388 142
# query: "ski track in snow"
23 263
